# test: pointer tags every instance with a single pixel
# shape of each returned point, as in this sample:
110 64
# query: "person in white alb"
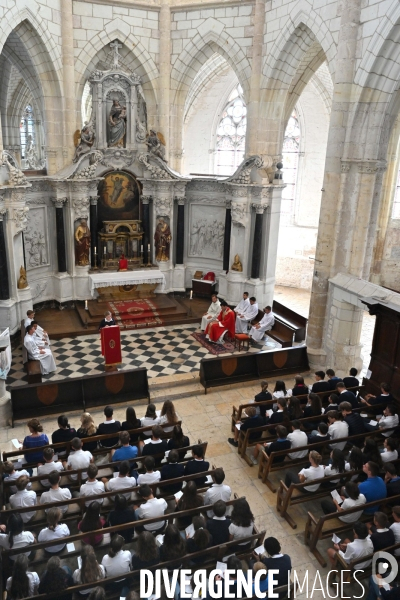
44 355
92 487
78 459
213 311
55 493
258 331
337 429
23 498
243 319
54 530
122 481
218 491
297 438
243 304
41 340
30 317
49 465
151 508
362 546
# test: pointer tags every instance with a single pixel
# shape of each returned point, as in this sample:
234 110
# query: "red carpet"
211 347
135 314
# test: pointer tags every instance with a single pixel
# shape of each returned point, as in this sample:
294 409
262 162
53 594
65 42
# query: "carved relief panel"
36 239
206 231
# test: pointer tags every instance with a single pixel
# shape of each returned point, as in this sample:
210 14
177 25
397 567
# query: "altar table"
124 285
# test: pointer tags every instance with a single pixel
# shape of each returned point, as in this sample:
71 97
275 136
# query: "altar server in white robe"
212 313
40 332
41 340
243 304
47 364
242 320
258 331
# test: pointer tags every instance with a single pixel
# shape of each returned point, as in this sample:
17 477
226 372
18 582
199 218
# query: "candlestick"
105 250
191 294
86 305
95 250
141 248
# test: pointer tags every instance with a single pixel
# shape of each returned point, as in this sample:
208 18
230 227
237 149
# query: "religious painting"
119 198
207 229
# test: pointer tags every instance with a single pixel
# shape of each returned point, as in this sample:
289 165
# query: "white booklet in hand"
16 444
373 423
260 550
178 495
335 495
220 566
238 426
147 441
336 539
190 530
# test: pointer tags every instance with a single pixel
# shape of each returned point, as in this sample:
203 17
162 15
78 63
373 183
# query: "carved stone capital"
81 208
94 200
3 213
162 206
238 212
181 201
146 199
228 204
259 208
345 167
59 202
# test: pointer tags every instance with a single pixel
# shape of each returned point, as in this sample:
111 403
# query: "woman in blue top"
36 439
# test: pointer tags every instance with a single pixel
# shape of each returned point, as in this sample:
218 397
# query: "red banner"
111 345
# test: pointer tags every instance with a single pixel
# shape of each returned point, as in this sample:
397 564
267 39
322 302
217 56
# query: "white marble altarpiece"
39 215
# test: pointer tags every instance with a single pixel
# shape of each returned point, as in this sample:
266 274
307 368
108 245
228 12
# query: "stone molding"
259 208
364 167
20 218
162 206
59 202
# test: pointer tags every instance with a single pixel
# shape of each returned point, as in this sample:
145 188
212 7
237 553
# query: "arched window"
290 159
231 134
27 128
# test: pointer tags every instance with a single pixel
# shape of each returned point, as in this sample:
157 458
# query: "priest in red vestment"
123 263
225 322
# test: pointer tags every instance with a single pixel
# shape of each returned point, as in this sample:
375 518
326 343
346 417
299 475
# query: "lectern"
111 347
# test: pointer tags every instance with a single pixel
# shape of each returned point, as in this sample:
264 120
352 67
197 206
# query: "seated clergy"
243 304
213 311
244 318
225 323
30 317
258 331
44 355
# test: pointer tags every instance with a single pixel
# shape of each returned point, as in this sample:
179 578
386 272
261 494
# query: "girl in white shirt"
54 530
150 418
22 583
90 571
168 415
242 522
117 562
338 465
280 390
390 450
13 536
355 498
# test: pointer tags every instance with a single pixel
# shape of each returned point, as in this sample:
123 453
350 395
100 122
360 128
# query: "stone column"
227 236
146 227
4 283
257 241
165 72
67 46
180 231
93 228
336 208
60 230
255 80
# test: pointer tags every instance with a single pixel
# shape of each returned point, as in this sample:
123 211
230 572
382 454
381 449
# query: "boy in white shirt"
92 487
151 476
337 429
390 450
23 498
12 475
297 438
55 493
218 491
49 465
361 546
78 460
122 481
315 471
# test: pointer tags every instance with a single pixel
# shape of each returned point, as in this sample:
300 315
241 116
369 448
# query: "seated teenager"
150 418
299 388
319 435
395 527
263 579
313 408
345 395
168 416
392 480
253 420
280 390
90 571
351 380
337 465
117 562
315 471
371 452
242 523
389 453
125 451
93 486
121 514
389 419
280 416
218 490
55 579
373 487
294 408
332 379
338 429
281 443
23 582
49 465
371 401
131 422
55 493
197 465
189 499
151 476
11 474
87 429
178 440
54 530
381 536
201 540
218 525
261 397
173 547
146 552
151 507
320 384
78 459
351 550
92 521
334 402
275 560
14 536
172 470
23 498
353 498
354 421
64 433
156 445
122 481
109 426
297 438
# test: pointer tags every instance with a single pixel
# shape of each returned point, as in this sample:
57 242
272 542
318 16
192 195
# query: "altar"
124 285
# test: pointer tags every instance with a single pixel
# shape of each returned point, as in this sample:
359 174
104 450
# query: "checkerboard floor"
163 351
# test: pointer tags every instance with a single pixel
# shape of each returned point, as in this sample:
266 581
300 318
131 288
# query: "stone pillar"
336 210
93 228
180 231
146 227
60 231
227 237
253 124
4 283
165 72
257 241
67 46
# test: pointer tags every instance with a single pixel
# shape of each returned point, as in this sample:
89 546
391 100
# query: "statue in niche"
31 158
22 282
237 265
82 244
141 120
116 125
162 240
85 142
156 144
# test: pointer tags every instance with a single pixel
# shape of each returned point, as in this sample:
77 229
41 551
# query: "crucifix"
115 45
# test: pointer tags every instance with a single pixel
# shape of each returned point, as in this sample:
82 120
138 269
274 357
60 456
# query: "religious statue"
156 144
162 240
116 125
31 158
22 282
82 244
237 265
85 142
141 120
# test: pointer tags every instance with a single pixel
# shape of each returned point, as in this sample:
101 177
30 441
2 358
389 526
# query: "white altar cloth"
100 280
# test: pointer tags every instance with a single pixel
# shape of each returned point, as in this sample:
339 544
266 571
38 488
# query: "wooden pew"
319 528
32 367
348 568
81 393
226 370
282 333
290 317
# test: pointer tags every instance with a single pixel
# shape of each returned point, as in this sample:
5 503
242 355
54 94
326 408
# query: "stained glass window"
290 159
231 134
396 200
27 127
